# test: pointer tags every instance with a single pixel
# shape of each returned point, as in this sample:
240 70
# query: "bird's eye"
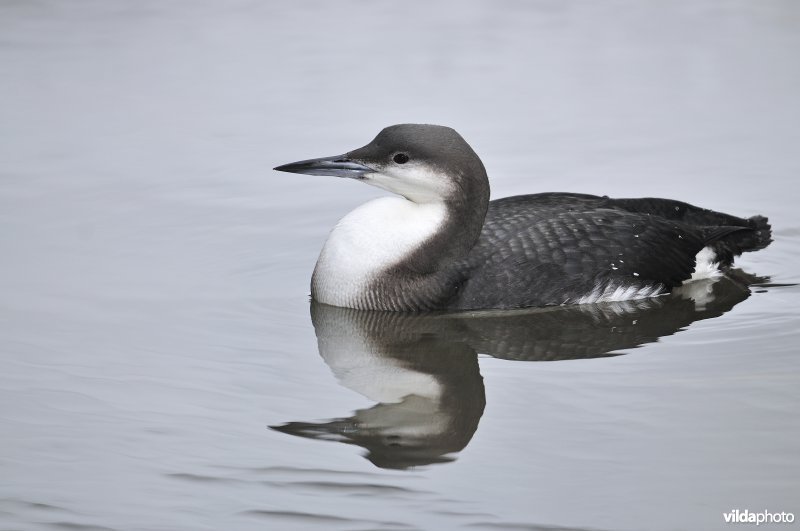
400 158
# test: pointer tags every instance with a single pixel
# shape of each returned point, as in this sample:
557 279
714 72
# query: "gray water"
160 366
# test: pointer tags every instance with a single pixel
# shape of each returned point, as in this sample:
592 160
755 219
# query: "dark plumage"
568 244
455 250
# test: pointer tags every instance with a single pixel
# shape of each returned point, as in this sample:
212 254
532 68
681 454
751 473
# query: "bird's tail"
731 241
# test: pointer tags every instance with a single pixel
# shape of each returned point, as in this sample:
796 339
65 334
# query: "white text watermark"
737 516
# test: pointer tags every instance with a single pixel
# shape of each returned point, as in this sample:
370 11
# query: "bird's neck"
393 254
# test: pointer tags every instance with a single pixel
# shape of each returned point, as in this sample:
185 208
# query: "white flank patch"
367 241
705 267
617 293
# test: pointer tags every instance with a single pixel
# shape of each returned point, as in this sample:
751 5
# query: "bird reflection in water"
422 369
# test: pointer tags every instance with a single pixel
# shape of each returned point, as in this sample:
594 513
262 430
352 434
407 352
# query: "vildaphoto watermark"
737 516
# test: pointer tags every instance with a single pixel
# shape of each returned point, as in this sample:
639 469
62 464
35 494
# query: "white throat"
369 240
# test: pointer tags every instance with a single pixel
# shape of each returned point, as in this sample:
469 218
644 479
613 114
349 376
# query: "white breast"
369 240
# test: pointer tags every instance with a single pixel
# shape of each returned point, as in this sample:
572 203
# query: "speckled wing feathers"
548 249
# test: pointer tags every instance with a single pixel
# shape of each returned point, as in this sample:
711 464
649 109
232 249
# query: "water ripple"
74 526
318 518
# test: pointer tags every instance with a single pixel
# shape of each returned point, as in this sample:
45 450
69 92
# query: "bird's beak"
338 166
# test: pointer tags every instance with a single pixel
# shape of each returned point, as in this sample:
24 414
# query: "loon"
441 244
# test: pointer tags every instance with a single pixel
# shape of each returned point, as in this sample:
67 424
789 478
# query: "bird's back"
560 248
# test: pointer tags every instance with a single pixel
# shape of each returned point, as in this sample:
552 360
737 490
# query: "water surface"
155 322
